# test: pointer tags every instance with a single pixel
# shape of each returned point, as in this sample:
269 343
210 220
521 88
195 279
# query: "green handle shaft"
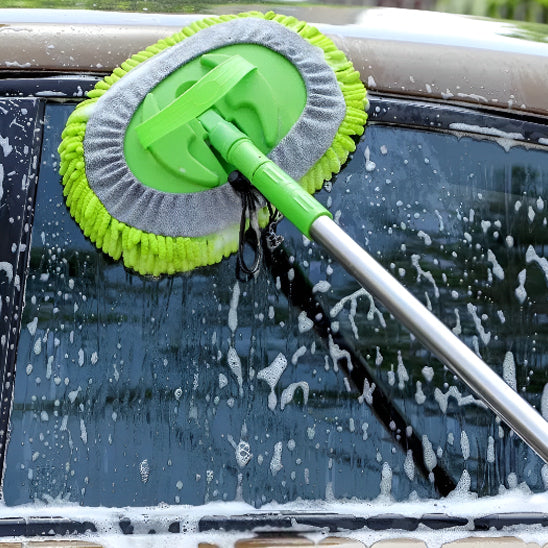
273 183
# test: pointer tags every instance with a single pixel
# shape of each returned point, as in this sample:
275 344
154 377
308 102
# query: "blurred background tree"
534 11
526 11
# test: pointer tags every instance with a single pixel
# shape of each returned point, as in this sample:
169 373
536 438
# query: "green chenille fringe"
155 254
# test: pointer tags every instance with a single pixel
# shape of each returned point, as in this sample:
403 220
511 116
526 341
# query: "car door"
133 391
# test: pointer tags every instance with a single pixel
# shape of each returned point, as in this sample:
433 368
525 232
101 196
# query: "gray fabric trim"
210 211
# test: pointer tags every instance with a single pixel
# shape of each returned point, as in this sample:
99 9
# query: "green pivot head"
251 86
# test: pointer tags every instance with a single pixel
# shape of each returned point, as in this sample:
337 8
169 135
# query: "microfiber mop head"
163 212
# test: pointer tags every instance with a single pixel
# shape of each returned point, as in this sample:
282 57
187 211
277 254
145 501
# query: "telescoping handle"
443 343
314 221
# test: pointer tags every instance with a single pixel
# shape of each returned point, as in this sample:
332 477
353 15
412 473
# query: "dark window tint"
20 140
134 391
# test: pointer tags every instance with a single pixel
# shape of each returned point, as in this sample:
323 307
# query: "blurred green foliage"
153 6
535 11
529 11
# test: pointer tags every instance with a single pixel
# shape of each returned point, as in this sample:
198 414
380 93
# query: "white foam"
430 460
440 220
337 308
352 298
5 146
424 274
490 457
509 370
462 490
485 225
401 370
322 286
544 403
369 164
367 393
243 453
378 357
289 392
465 445
299 353
457 330
497 269
31 326
37 348
485 336
544 474
235 366
233 310
223 381
144 470
337 354
420 397
304 323
443 398
409 465
83 432
1 181
505 139
276 461
520 292
8 270
428 373
271 375
532 256
423 236
386 480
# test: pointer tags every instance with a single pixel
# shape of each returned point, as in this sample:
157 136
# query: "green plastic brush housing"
223 111
255 88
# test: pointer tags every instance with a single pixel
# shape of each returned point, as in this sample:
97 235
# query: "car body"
291 408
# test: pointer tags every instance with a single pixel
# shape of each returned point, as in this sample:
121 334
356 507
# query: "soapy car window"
20 142
197 387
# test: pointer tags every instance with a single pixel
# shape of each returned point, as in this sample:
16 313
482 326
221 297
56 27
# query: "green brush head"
169 157
252 86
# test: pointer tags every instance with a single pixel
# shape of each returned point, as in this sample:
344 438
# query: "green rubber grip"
281 190
301 208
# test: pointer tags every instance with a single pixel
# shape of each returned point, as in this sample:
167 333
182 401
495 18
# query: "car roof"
436 56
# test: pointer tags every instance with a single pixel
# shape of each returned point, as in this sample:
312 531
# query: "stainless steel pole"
502 399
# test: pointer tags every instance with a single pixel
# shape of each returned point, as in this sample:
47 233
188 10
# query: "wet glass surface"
20 144
193 388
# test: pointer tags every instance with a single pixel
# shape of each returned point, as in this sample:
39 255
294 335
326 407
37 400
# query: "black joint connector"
239 182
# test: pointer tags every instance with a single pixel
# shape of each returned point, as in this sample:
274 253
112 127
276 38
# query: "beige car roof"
436 56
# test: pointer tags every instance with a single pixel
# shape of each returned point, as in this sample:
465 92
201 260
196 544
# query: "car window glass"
193 388
20 140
